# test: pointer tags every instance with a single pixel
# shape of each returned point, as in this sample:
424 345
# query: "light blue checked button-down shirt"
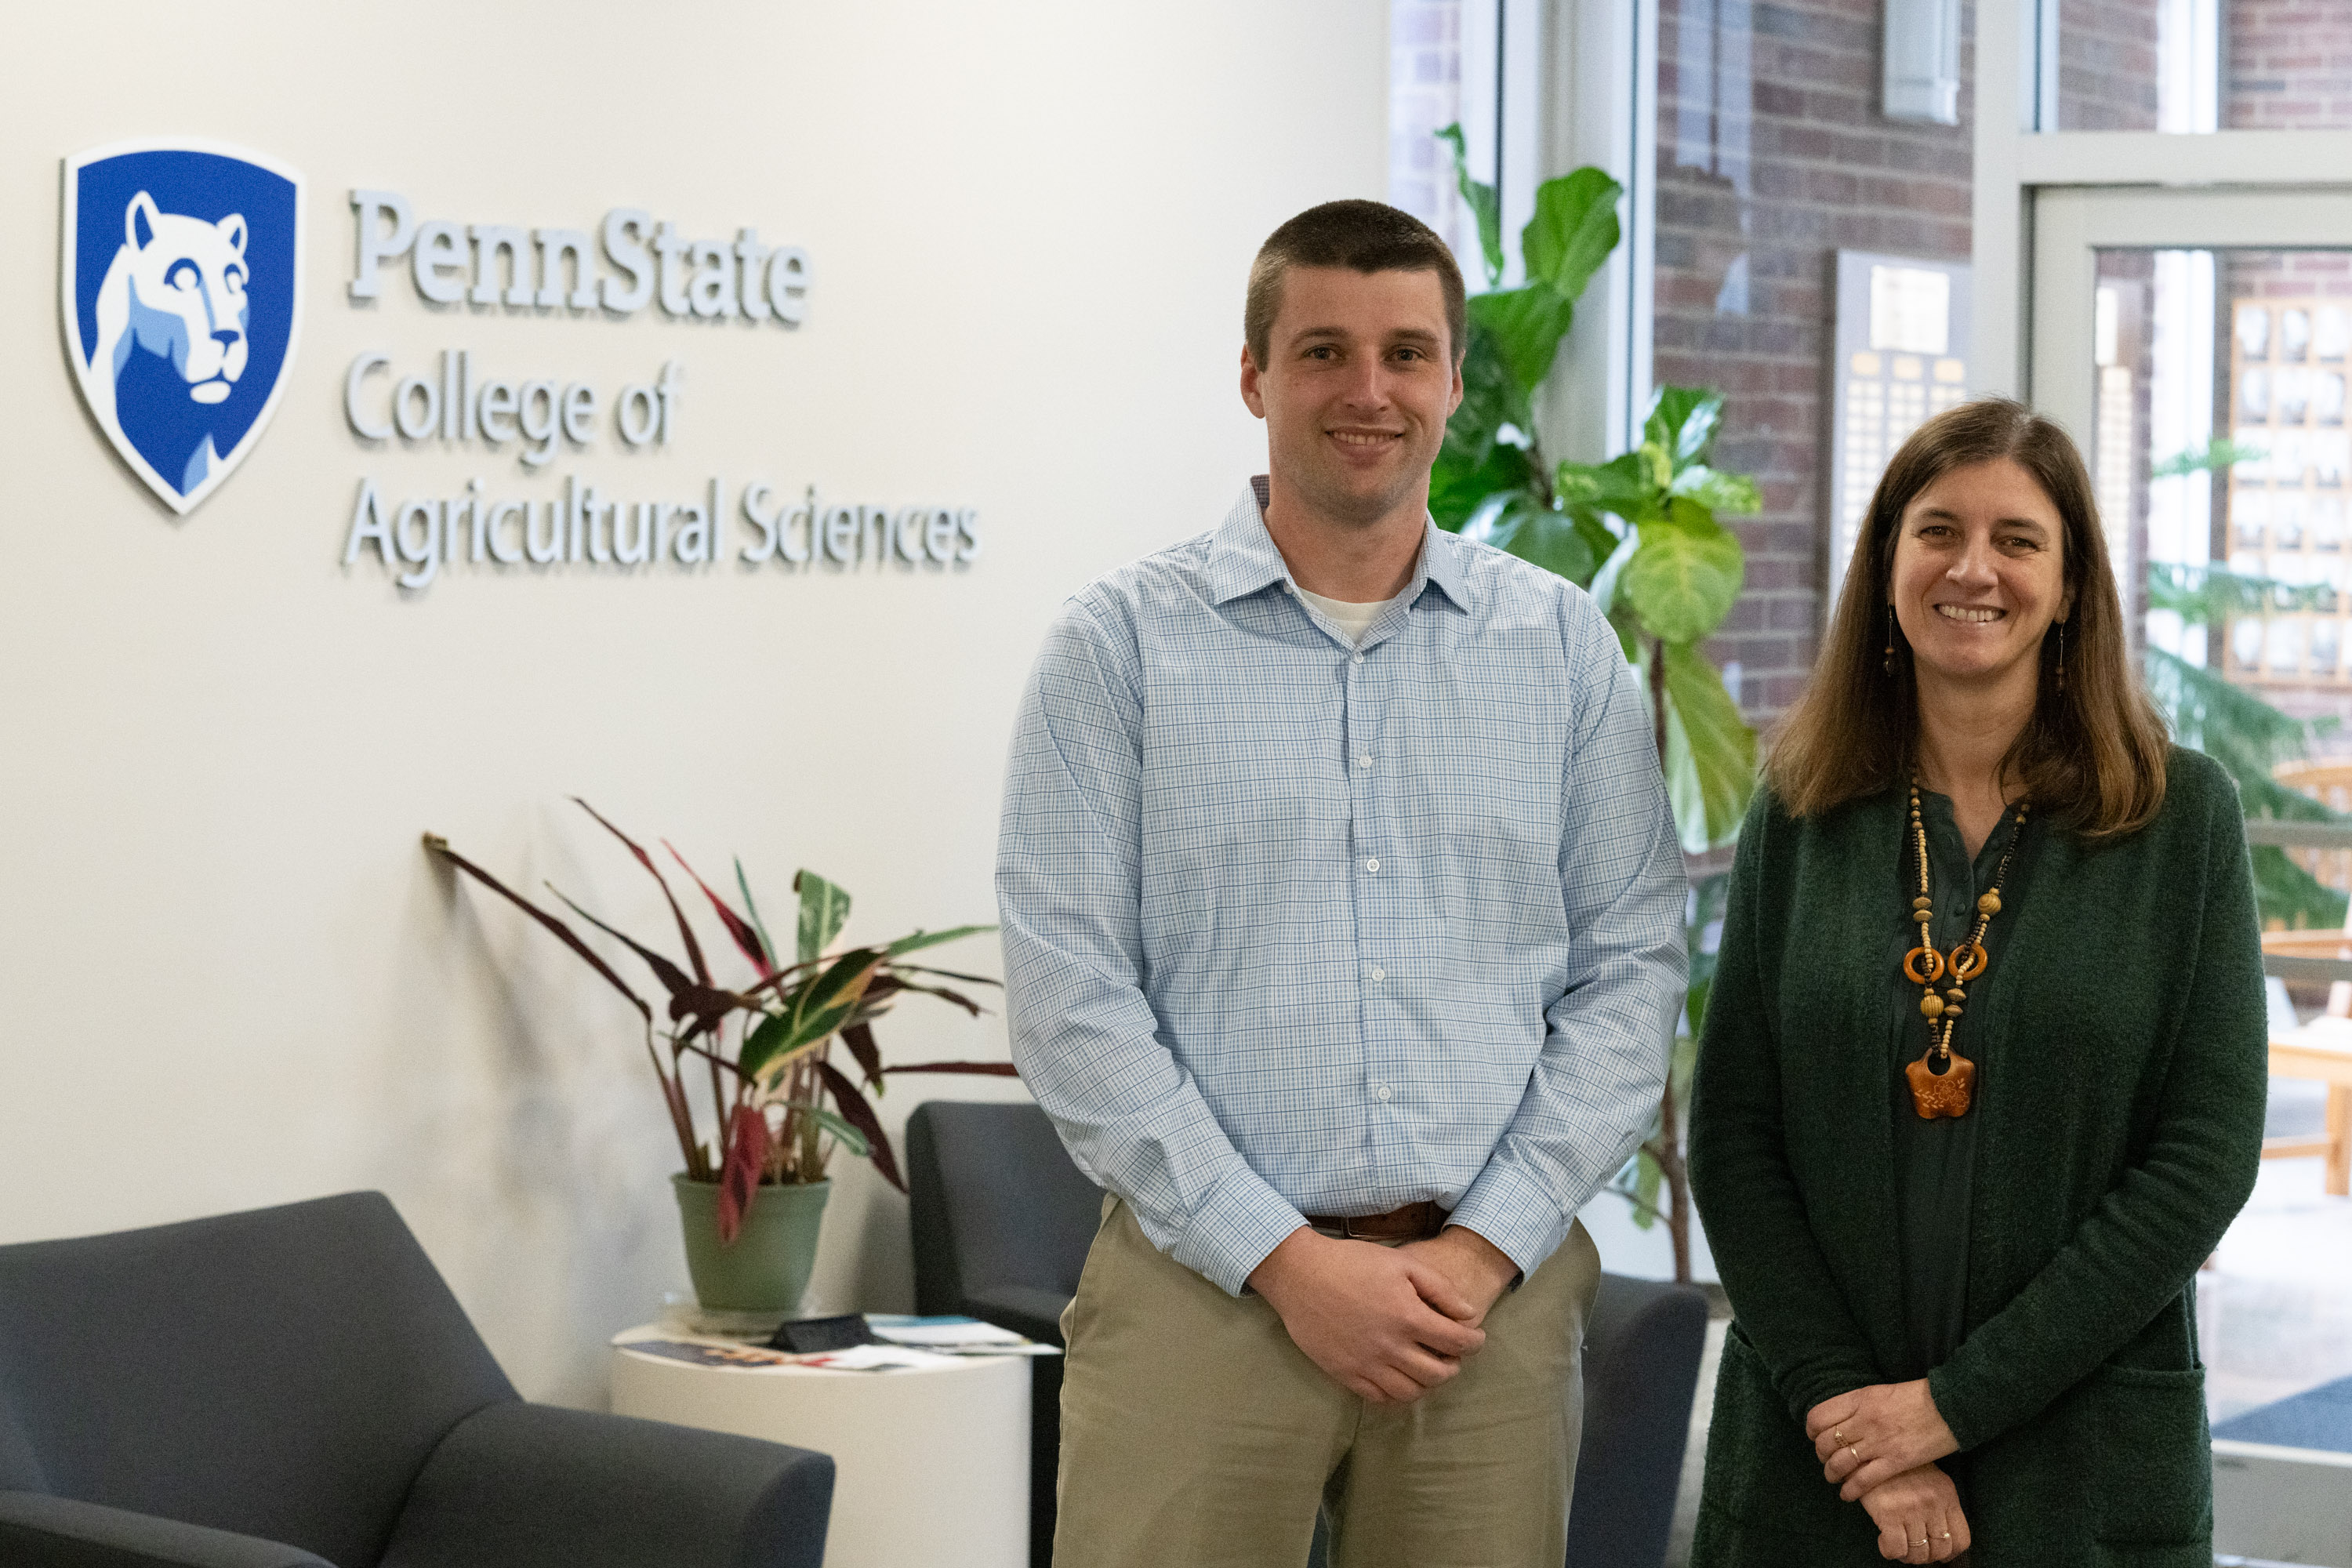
1293 926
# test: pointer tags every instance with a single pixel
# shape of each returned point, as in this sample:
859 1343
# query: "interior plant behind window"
753 1063
2233 724
1639 533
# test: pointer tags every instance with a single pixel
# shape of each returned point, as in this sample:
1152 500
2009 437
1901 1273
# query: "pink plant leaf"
746 939
693 948
738 1179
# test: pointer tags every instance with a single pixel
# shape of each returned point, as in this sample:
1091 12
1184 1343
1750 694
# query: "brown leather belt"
1413 1222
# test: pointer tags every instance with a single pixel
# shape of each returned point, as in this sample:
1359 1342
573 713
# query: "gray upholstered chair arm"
1024 1308
41 1532
531 1485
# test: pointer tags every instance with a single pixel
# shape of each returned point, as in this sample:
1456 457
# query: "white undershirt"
1354 619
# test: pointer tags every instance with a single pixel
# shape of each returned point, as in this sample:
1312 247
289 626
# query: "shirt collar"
1243 559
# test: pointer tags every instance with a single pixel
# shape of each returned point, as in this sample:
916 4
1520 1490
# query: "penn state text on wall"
542 269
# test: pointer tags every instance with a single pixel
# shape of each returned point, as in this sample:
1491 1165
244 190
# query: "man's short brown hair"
1364 236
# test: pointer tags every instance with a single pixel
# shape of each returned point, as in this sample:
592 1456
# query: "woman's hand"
1869 1436
1918 1517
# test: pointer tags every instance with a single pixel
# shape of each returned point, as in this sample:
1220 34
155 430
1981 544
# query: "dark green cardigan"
2120 1042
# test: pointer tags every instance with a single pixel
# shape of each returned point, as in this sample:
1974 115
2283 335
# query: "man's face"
1359 382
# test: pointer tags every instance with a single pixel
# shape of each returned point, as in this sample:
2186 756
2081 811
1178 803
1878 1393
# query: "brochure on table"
908 1344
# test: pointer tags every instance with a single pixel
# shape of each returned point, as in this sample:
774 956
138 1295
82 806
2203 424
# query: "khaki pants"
1195 1434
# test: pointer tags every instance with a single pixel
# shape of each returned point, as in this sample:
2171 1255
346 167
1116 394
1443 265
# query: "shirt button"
1365 760
1373 863
1378 974
1382 1092
1357 657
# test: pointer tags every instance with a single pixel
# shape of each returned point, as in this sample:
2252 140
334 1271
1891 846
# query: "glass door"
2198 343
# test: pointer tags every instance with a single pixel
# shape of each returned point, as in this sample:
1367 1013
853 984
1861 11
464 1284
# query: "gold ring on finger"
1855 1452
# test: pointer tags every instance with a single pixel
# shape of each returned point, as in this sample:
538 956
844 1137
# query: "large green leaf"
1684 578
1716 490
1683 420
1492 396
1573 231
1622 485
825 909
1484 205
817 1006
1459 484
1525 326
1518 523
1710 761
763 1043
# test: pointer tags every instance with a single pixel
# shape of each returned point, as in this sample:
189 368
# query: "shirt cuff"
1232 1232
1519 1216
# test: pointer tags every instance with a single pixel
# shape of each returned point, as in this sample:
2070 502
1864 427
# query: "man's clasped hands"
1878 1446
1387 1322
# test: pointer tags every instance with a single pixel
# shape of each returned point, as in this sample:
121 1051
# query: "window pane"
2221 443
2204 65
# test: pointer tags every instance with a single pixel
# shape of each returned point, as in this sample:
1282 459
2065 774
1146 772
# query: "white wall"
232 976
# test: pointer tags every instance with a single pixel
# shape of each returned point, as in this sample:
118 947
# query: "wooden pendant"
1947 1093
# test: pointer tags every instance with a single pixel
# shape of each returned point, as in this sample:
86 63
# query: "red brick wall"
2289 65
1823 170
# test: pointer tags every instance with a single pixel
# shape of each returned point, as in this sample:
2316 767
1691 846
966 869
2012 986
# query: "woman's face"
1979 573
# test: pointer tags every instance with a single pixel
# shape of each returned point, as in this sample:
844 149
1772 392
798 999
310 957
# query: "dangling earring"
1888 666
2062 655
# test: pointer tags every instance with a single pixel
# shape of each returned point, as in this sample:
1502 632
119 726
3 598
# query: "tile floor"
2273 1311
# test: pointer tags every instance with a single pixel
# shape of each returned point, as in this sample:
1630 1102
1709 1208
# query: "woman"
1983 1071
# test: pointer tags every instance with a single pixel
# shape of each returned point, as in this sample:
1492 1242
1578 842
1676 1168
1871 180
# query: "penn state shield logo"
182 291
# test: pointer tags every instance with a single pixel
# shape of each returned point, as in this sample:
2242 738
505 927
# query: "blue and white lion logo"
182 293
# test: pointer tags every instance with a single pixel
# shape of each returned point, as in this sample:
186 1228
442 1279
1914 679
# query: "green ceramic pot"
766 1267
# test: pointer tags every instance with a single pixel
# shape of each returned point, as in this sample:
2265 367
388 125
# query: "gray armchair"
295 1388
1002 1221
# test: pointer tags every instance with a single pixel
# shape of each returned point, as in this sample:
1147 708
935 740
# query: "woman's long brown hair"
2092 757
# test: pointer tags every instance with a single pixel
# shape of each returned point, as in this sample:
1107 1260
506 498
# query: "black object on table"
807 1336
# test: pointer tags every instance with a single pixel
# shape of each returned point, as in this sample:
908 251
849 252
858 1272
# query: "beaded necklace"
1943 1081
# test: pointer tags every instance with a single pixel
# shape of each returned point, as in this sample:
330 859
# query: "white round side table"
930 1464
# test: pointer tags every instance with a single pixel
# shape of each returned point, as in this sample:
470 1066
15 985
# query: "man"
1342 906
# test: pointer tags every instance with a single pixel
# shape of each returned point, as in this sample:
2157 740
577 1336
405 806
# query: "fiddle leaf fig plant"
1640 533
